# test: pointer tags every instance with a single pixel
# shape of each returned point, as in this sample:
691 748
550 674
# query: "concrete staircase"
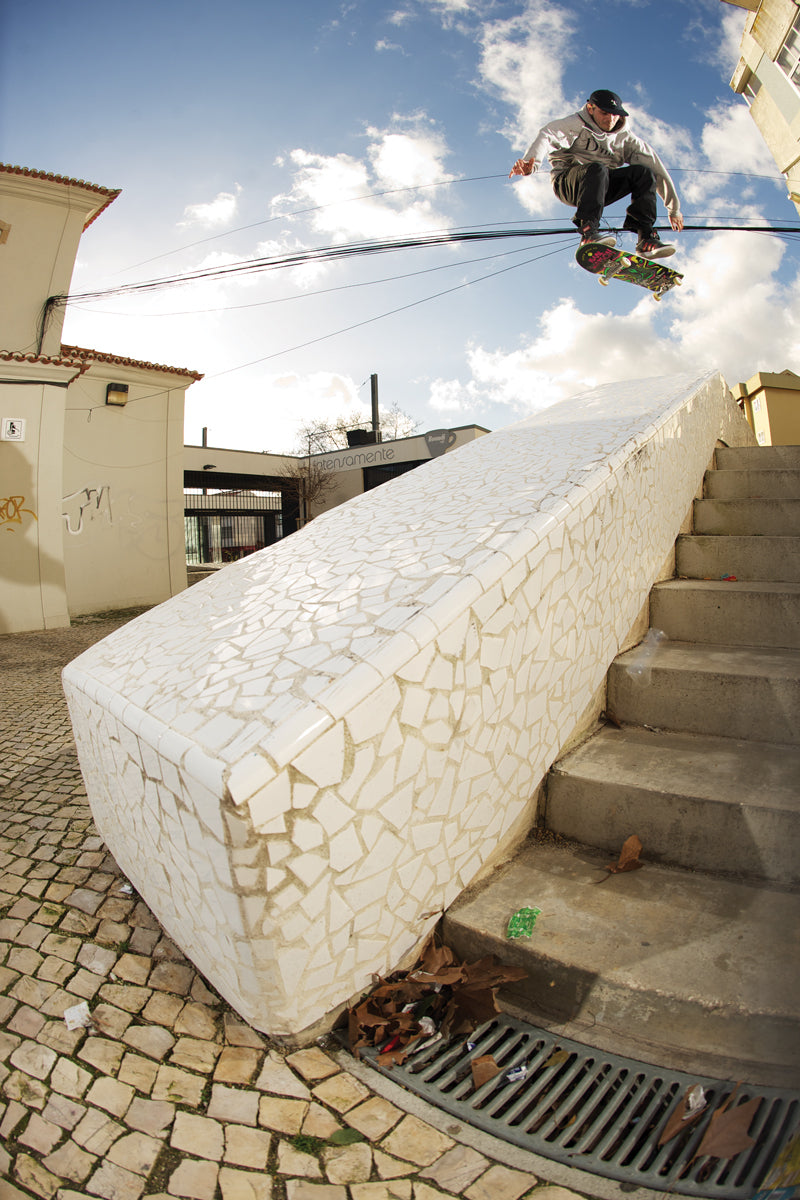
692 962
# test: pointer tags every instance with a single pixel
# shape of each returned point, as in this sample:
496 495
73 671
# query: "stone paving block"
115 1183
26 962
178 1086
110 1021
282 1114
163 1009
417 1142
301 1189
197 1055
33 1059
239 1034
152 1040
102 1054
85 900
313 1063
40 1135
11 1118
61 947
237 1064
96 959
296 1162
197 1021
70 1162
374 1118
32 1175
110 1095
136 1152
399 1189
27 1022
171 977
501 1183
318 1122
277 1078
84 984
125 996
246 1147
69 1079
150 1116
391 1168
456 1169
62 1111
556 1193
342 1092
233 1104
113 933
197 1135
194 1180
243 1185
96 1132
139 1072
56 970
348 1164
35 992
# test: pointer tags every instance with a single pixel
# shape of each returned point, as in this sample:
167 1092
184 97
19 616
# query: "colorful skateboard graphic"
607 264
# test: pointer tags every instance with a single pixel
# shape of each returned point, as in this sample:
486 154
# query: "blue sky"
254 128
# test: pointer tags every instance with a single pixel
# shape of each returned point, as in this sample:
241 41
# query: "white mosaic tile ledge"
302 760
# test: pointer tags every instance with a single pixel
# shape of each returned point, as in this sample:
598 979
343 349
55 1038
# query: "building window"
789 58
757 404
751 88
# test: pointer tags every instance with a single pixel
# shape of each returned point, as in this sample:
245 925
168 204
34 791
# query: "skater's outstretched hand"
523 166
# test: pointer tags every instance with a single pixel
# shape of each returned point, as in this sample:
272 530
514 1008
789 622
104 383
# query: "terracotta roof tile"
110 193
54 360
91 356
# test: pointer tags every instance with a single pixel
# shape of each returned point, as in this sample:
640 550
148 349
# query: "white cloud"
522 62
266 415
730 314
342 188
217 212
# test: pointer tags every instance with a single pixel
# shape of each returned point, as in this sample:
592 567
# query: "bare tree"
308 482
322 437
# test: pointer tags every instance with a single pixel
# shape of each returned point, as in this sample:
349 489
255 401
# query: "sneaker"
591 236
650 245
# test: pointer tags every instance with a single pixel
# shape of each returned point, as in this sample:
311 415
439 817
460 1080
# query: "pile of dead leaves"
438 997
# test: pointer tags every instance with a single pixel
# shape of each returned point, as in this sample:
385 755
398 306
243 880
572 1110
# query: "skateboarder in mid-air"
594 161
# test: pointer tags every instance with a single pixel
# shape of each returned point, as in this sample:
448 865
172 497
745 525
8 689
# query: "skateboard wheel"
602 281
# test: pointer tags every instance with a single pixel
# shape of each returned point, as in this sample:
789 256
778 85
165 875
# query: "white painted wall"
301 761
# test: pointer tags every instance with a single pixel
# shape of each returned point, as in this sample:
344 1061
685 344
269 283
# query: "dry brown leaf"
556 1059
680 1118
483 1069
628 856
727 1131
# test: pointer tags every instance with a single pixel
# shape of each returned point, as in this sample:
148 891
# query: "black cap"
608 101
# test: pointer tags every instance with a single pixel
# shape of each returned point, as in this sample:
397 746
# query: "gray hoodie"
577 139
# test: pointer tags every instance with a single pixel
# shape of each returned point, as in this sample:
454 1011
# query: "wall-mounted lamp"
117 394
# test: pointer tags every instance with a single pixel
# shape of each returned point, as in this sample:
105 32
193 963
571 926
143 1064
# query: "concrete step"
735 613
728 691
776 518
759 458
682 970
706 803
731 485
746 557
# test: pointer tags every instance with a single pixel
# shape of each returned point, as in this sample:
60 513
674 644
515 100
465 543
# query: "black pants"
590 187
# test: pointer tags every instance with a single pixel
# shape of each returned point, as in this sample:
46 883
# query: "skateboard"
607 264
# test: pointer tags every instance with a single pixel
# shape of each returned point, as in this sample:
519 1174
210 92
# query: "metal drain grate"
596 1112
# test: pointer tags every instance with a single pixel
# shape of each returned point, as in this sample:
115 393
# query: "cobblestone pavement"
166 1092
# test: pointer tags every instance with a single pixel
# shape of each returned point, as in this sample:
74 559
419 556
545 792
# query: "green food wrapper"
522 922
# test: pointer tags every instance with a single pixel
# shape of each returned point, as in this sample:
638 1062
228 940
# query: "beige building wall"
91 496
766 75
32 401
771 403
122 503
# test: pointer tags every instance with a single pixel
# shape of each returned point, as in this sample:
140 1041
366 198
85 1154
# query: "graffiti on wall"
12 511
87 504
